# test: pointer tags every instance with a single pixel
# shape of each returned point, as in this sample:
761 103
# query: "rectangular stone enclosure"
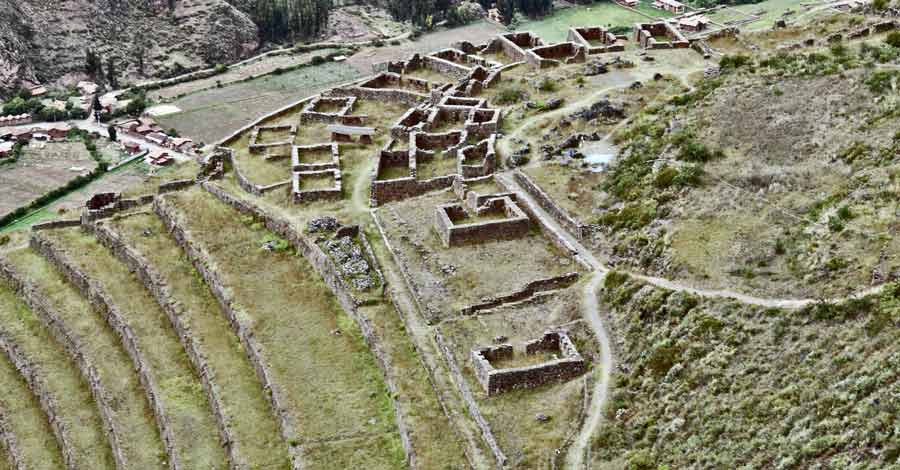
567 364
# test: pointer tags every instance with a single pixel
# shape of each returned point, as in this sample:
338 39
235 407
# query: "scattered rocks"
351 262
595 68
636 85
324 224
448 269
500 339
541 418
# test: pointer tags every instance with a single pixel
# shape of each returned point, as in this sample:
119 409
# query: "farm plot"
212 114
255 432
42 168
133 419
178 388
332 387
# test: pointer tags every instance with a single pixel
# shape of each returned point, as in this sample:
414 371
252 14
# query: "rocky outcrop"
167 41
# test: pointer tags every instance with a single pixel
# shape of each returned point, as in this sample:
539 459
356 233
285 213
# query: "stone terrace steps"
132 417
26 422
186 414
52 374
240 395
333 390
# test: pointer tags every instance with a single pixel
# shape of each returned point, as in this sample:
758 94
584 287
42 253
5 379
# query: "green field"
210 115
554 28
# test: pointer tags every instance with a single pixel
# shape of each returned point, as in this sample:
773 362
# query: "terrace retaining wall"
330 273
581 231
154 282
38 387
103 304
201 262
37 302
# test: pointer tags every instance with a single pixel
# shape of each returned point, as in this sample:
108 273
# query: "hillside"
46 40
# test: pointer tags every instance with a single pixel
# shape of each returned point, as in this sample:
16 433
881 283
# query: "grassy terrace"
139 435
256 433
180 392
75 407
317 356
27 422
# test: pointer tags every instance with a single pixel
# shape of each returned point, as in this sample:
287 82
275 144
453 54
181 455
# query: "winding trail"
576 456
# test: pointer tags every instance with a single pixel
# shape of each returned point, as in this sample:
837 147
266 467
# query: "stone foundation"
454 230
298 163
645 33
496 381
604 41
555 54
255 147
299 195
530 289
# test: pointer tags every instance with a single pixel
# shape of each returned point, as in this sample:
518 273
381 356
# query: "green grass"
555 27
100 345
212 114
192 423
26 421
331 383
75 407
257 438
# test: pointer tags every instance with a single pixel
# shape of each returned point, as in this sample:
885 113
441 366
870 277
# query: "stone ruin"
315 157
566 364
331 109
596 39
480 218
391 87
646 36
318 185
555 54
514 45
257 147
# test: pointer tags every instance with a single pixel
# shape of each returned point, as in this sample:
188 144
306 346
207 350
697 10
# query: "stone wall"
608 41
644 33
453 233
330 274
389 95
385 191
496 381
562 217
37 302
555 54
310 112
159 289
103 304
297 152
11 445
35 382
53 224
486 432
530 289
302 196
255 147
201 262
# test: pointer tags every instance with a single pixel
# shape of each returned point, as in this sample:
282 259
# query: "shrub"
693 151
689 175
893 39
547 85
844 213
4 239
881 81
879 5
665 177
835 224
511 95
220 68
641 460
317 60
733 62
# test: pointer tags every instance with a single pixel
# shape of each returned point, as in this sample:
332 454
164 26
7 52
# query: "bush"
511 95
733 62
220 68
893 39
693 151
882 81
665 177
547 85
689 175
317 60
879 5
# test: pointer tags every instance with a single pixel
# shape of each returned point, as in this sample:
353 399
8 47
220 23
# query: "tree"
507 9
111 130
92 64
112 75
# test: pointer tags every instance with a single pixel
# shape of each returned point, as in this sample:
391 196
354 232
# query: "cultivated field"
42 168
